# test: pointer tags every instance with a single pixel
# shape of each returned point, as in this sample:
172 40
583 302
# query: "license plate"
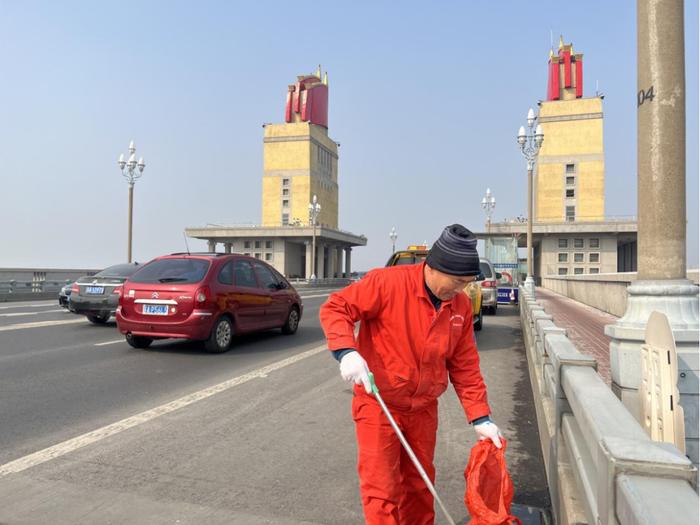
95 290
155 309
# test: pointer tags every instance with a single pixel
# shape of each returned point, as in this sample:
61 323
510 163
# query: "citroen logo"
154 295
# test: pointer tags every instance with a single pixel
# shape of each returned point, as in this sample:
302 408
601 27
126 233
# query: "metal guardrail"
311 283
27 287
601 466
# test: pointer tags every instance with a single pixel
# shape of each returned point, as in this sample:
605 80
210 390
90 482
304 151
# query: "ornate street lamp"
530 143
130 173
393 236
314 210
488 204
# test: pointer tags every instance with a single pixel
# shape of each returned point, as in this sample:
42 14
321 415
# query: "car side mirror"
499 275
480 277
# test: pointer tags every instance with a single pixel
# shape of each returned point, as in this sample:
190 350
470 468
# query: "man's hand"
354 368
488 430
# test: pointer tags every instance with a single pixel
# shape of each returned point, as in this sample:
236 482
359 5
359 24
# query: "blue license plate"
155 309
95 290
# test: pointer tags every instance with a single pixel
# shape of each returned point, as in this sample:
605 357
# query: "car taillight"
489 284
118 290
75 288
202 295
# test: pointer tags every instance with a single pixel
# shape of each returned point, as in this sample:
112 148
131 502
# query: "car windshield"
172 271
409 258
118 270
486 270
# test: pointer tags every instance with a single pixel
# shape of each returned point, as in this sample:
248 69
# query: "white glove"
354 368
489 430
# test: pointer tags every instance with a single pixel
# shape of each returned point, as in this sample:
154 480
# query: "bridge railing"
12 286
602 468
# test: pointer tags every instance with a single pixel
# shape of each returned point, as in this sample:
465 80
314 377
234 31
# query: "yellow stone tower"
570 184
300 160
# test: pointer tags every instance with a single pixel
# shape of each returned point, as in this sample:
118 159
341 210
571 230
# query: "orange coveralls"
411 348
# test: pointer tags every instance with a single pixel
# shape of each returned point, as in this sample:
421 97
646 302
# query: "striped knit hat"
455 252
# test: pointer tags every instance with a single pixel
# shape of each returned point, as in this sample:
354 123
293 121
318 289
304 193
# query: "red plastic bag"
489 487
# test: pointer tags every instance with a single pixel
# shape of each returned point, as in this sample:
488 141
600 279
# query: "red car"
205 297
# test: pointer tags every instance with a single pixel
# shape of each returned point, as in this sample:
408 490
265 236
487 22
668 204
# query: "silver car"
489 286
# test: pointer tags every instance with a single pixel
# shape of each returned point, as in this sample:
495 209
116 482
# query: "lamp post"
314 210
130 173
530 143
488 204
393 236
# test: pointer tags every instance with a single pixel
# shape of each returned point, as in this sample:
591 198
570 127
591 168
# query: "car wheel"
221 336
137 341
479 321
292 321
98 319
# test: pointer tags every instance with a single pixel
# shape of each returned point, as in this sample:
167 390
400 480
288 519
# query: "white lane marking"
15 314
33 305
70 445
314 296
110 342
38 324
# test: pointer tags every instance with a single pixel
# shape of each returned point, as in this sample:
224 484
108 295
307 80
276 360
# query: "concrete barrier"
604 291
601 467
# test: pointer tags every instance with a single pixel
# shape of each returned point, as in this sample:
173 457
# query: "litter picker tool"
408 449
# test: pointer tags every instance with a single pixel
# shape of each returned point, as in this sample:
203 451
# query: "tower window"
563 257
257 244
570 168
594 270
285 203
246 244
578 257
578 271
563 271
594 243
285 191
285 219
563 243
570 213
268 245
578 243
570 181
285 182
570 193
594 257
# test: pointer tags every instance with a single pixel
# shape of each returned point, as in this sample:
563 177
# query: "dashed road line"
110 342
39 324
16 314
55 451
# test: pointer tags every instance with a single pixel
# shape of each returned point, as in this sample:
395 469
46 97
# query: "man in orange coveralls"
415 331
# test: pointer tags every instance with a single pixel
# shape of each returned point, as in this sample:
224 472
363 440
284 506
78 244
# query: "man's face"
445 286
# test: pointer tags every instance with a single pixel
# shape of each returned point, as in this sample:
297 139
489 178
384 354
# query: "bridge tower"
570 184
300 160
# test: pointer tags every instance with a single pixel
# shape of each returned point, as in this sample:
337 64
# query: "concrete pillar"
348 255
227 247
339 258
212 245
309 255
320 262
662 283
331 262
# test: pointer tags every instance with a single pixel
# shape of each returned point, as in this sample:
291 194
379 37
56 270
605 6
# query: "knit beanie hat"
455 252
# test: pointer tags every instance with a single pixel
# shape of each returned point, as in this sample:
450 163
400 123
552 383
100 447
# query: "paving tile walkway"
584 326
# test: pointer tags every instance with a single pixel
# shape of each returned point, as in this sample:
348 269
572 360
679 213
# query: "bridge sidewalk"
584 326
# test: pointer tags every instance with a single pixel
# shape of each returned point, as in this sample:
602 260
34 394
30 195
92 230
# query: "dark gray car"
96 296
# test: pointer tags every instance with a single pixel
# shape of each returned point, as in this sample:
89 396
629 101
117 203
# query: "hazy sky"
425 99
